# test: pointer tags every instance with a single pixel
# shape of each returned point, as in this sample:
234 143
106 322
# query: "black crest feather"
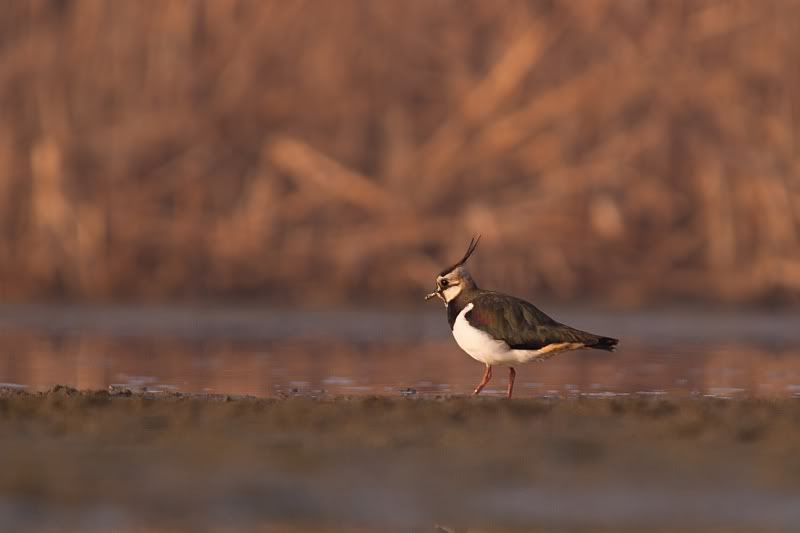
473 243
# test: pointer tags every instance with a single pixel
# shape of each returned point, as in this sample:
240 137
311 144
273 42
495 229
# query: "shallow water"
277 353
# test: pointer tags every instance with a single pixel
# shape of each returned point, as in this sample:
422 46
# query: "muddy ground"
119 459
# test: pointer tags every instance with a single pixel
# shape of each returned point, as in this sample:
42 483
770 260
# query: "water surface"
277 352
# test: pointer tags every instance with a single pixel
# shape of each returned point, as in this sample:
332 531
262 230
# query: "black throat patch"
457 304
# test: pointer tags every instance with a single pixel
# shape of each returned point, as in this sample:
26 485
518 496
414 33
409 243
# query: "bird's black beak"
437 292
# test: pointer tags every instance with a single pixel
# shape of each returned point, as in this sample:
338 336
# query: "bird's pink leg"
486 377
511 375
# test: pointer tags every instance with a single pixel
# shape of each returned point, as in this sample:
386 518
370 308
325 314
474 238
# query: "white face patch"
451 285
451 292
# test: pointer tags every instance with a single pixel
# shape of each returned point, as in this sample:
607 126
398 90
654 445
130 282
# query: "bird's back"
524 326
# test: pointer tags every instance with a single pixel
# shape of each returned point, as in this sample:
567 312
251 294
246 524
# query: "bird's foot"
487 375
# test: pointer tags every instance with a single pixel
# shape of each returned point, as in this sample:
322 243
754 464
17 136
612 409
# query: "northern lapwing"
497 329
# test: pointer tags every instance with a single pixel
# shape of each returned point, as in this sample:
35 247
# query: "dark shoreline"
119 458
210 321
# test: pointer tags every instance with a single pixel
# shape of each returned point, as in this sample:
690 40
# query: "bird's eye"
445 283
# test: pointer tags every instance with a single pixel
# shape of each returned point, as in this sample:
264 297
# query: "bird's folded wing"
520 324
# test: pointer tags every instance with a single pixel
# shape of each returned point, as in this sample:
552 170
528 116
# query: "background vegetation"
327 152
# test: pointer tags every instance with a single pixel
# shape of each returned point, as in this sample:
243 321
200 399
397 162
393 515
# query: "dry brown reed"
326 151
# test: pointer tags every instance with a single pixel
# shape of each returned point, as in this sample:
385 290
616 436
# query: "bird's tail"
605 343
590 340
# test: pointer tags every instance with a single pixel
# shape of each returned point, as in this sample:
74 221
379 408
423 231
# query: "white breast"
479 344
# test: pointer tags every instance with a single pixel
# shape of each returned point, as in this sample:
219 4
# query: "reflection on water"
354 353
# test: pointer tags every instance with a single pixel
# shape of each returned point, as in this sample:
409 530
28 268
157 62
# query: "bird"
498 329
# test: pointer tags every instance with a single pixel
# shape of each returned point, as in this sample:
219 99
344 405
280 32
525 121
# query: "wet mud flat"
117 459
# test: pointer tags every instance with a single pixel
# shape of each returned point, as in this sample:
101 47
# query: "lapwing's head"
452 280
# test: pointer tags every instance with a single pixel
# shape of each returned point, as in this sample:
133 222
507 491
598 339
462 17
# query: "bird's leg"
486 377
511 375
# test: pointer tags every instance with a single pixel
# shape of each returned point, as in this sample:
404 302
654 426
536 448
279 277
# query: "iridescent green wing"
520 323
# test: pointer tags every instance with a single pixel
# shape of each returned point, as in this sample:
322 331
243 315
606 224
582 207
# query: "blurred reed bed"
328 152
